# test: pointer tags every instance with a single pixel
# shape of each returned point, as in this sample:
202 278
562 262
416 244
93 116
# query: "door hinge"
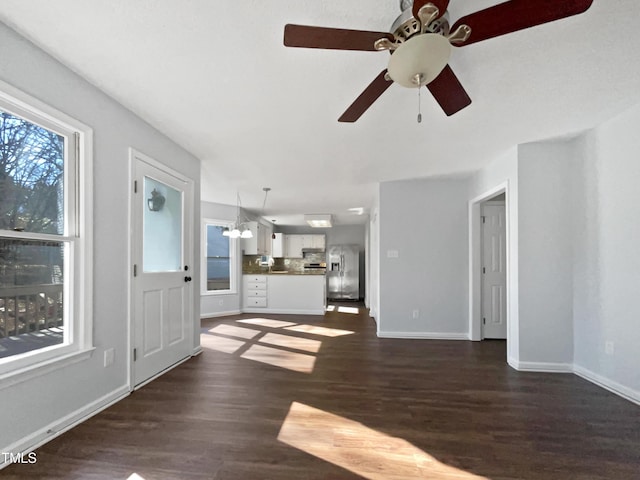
484 321
484 270
135 270
484 219
135 354
135 186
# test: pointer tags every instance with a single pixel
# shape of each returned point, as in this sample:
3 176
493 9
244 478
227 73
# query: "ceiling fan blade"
366 98
517 15
441 4
331 38
449 92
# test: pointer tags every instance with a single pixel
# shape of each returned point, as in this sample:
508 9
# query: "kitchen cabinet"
293 246
260 243
254 291
295 243
278 246
284 294
318 241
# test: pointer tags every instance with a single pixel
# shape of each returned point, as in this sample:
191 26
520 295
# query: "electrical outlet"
393 254
416 314
608 347
221 302
109 356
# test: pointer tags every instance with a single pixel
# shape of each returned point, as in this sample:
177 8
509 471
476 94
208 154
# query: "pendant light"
240 229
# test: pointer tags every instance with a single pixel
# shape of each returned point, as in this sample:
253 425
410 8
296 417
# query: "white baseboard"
614 387
542 367
424 335
55 429
219 314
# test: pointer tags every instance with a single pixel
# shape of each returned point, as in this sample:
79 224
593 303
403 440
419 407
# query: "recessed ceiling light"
318 220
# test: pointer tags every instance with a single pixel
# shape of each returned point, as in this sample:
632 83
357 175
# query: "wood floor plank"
366 408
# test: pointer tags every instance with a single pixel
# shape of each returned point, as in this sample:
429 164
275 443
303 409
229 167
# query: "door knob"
187 279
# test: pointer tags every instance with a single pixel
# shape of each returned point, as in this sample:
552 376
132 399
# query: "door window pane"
218 259
31 177
31 295
162 230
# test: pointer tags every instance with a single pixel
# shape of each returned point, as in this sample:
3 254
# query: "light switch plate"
109 357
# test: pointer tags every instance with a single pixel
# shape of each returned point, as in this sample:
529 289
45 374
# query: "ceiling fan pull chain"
419 105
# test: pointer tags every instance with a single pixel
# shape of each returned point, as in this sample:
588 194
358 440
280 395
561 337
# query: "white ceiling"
215 77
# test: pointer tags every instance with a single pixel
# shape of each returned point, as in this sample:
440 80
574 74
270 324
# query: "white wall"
218 304
53 400
425 222
545 254
607 257
574 207
373 274
499 174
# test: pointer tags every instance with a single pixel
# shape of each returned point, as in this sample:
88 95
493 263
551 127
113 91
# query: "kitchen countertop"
284 273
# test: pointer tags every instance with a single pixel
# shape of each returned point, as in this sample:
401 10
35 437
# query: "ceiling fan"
420 44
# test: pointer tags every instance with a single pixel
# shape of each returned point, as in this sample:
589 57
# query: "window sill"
42 368
218 293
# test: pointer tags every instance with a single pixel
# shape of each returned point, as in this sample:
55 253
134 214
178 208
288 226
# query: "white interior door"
494 271
162 294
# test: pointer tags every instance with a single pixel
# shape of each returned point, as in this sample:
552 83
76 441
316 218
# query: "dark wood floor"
358 407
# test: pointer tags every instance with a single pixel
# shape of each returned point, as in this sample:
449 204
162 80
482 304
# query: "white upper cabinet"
293 246
318 241
278 246
260 243
295 243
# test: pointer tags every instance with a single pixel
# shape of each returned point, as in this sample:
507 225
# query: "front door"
494 271
162 294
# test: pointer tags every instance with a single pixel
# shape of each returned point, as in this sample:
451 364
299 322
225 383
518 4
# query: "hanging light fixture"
239 229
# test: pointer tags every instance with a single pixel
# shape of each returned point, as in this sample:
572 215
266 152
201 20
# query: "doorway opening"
489 266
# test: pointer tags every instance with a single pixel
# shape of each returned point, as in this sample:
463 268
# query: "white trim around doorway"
475 256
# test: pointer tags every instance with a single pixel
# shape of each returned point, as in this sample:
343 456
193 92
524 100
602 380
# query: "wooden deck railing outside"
25 309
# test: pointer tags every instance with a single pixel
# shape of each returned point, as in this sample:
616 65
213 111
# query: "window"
44 179
220 264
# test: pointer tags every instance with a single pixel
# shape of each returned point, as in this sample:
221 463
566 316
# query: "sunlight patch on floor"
304 344
330 308
135 476
361 450
353 310
266 322
316 330
284 350
221 344
235 331
298 362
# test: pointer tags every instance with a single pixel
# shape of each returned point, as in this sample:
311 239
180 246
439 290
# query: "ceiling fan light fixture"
419 60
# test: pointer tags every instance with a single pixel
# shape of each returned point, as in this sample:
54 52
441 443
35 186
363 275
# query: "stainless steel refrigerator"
343 272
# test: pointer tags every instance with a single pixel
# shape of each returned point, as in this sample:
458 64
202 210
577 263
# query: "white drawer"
256 286
256 293
257 302
256 278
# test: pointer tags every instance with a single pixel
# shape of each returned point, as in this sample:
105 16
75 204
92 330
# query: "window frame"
77 238
233 259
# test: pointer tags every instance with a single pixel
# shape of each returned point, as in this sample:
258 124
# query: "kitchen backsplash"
251 263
